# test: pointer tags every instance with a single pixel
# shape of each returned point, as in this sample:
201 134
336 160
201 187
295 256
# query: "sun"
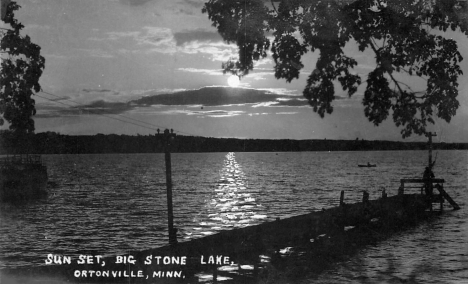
233 81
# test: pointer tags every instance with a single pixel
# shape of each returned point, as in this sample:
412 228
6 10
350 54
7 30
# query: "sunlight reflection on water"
231 205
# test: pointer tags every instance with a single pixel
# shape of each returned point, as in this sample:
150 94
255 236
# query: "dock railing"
426 186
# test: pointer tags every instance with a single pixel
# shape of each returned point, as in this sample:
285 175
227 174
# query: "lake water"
110 204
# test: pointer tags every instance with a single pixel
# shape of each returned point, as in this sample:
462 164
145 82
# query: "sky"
135 66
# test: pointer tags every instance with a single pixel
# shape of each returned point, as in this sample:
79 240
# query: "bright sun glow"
233 81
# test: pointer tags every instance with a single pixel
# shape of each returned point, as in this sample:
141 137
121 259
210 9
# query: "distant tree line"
55 143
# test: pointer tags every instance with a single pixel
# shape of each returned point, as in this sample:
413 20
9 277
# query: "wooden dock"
316 239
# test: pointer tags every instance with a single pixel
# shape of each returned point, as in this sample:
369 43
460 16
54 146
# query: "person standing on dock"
427 177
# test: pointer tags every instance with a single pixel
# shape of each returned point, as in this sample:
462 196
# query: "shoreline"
54 143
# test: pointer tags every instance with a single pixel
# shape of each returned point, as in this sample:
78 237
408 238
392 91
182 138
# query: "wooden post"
365 197
401 189
384 193
168 137
215 274
342 198
430 135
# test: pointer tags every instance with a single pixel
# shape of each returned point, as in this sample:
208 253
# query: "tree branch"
274 7
408 86
391 76
374 43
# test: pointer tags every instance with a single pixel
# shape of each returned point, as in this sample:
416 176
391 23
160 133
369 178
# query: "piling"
168 139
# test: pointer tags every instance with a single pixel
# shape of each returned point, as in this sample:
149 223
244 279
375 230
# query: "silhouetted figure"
428 176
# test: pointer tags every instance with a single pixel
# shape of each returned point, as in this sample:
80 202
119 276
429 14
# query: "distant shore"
54 143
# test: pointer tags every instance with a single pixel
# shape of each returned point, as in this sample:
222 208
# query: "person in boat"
427 176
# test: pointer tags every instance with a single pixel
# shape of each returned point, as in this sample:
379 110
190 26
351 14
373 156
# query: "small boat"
22 177
368 165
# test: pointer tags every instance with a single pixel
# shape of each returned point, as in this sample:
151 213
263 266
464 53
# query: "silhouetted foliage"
21 67
404 36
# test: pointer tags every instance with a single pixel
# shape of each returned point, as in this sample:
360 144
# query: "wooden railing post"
365 196
401 189
215 274
384 193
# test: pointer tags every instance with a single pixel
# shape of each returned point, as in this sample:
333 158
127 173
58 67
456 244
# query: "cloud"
211 96
49 111
265 104
208 96
55 56
119 35
281 91
101 107
184 37
98 107
102 94
258 113
135 2
263 61
97 91
219 51
189 7
195 3
168 7
64 98
149 39
211 72
224 113
96 53
256 75
208 113
287 112
293 103
161 38
282 103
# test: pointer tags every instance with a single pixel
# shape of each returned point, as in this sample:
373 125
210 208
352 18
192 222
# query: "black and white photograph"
234 141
